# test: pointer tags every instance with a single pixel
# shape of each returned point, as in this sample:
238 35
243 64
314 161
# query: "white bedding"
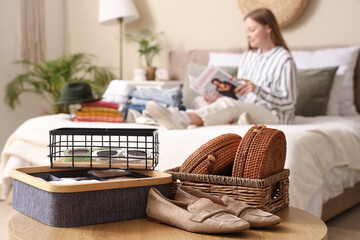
315 146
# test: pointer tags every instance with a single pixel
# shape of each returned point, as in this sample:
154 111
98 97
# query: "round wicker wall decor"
285 11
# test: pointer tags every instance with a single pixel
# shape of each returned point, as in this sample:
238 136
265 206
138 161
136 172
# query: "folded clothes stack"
119 91
171 97
99 111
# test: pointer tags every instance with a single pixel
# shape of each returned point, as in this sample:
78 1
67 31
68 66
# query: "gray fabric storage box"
83 204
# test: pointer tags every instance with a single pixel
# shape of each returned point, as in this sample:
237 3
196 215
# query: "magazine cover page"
215 79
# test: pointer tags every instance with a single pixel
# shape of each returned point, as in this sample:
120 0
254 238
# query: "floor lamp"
118 11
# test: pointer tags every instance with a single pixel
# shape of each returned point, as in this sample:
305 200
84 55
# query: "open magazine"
214 79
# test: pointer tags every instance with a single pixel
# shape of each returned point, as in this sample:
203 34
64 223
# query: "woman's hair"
215 80
265 17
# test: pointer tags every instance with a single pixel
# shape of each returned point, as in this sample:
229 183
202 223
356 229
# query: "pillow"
333 108
193 71
224 59
314 91
330 58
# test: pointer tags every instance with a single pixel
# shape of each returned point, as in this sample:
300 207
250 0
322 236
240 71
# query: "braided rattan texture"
270 194
261 153
213 157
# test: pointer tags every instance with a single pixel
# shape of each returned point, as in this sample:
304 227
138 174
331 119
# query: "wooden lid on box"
24 175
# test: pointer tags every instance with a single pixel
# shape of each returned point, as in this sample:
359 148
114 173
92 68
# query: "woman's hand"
245 88
212 97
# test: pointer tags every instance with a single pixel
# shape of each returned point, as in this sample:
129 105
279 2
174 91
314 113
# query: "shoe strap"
235 207
205 209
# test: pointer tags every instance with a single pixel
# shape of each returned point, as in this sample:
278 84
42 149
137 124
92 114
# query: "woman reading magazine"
268 92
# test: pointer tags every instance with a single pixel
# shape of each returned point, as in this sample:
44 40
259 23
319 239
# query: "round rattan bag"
261 153
214 157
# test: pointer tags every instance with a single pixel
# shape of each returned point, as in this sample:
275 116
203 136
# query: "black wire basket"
104 148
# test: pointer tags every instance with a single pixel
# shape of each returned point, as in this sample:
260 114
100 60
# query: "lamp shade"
111 10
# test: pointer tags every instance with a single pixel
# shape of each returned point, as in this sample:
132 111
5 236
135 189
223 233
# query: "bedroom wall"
188 25
31 105
201 24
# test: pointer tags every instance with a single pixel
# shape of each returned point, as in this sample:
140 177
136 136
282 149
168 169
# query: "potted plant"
48 78
149 47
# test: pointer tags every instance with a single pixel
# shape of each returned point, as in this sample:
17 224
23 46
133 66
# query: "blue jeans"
170 97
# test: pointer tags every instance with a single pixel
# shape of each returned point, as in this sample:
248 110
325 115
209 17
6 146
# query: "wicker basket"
270 194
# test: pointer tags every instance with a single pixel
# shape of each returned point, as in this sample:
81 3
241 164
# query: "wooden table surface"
296 224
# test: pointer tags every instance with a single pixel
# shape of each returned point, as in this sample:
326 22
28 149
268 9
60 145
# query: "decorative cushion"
193 69
332 57
314 91
333 108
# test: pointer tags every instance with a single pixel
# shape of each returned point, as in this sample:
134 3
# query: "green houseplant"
48 78
149 47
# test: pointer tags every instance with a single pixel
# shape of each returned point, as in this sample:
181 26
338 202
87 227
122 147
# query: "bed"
322 151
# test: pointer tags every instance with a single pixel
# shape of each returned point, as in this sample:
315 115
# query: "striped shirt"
274 74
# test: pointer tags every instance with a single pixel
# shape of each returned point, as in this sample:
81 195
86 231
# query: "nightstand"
156 84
